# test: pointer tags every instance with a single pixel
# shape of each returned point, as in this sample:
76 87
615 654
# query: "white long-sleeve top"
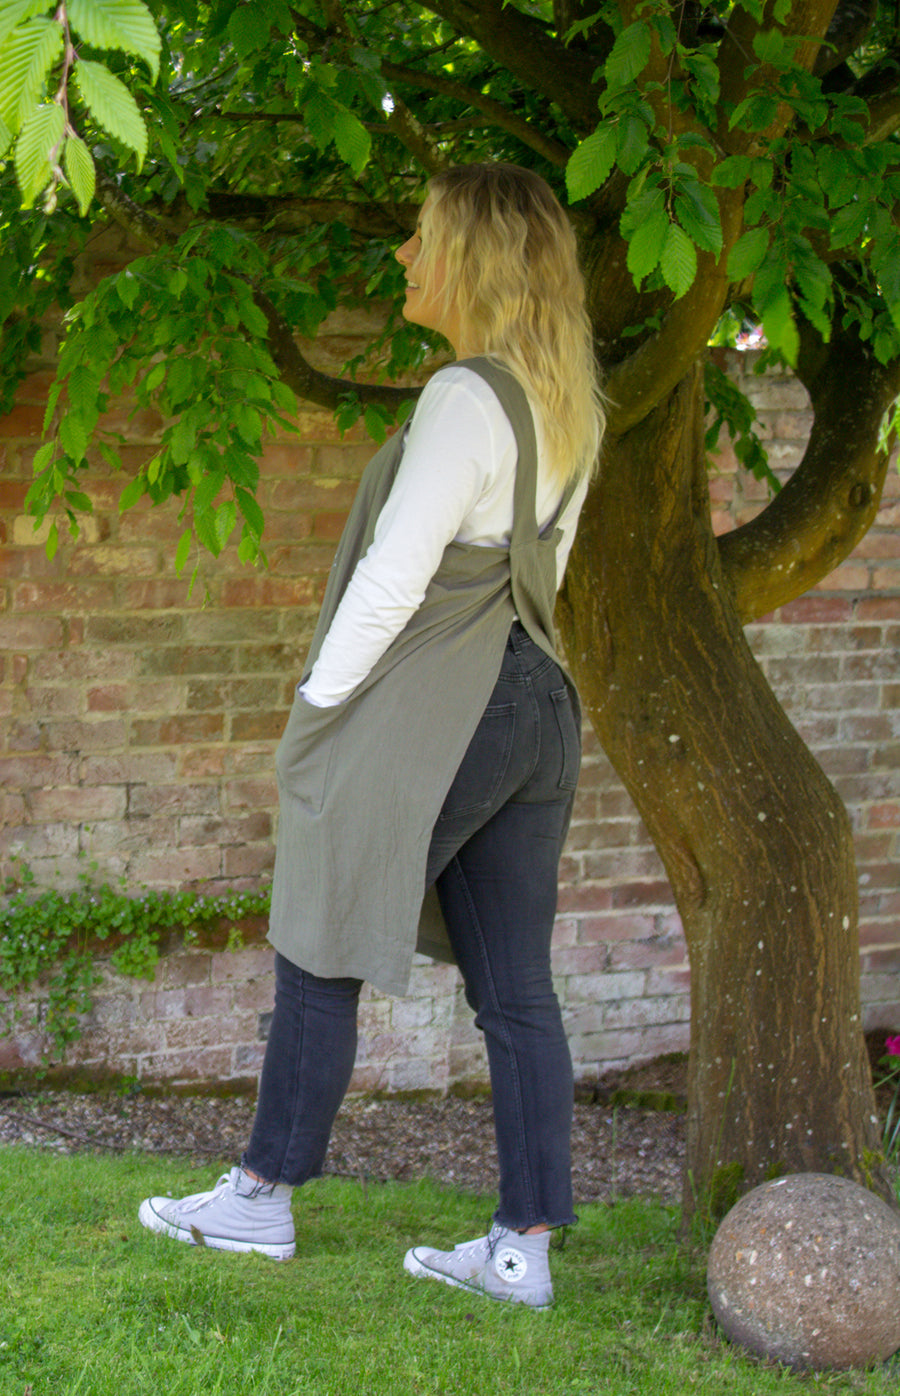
455 483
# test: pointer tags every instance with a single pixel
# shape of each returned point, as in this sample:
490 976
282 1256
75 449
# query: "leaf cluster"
52 936
49 89
181 332
287 141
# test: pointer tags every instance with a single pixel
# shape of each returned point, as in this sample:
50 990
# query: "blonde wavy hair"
511 272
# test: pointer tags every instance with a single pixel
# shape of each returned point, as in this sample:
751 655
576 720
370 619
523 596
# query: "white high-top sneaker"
239 1214
501 1265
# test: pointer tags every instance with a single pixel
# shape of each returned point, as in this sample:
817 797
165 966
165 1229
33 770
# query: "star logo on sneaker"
510 1265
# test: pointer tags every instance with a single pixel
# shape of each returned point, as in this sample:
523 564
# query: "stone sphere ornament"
806 1270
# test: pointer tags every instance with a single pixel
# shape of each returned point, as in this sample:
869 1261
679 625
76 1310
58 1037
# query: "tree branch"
562 75
307 382
884 116
289 215
740 72
833 496
498 114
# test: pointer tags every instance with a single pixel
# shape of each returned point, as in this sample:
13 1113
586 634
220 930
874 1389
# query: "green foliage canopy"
738 159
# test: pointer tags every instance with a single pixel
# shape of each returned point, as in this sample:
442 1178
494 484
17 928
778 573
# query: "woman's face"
422 308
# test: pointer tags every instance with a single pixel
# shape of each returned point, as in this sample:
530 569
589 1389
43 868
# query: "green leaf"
352 140
755 113
83 388
747 253
590 164
780 326
38 143
732 172
133 491
74 436
248 423
42 457
697 210
112 105
80 170
182 552
888 273
15 12
121 24
629 55
249 29
632 143
251 512
705 73
25 61
319 115
646 245
679 260
207 490
768 45
225 520
127 288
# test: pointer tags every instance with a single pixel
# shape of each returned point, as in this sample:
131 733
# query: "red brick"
592 930
300 493
201 763
78 803
248 860
178 799
186 659
851 576
251 794
288 460
12 495
112 698
135 632
885 816
159 594
18 632
643 894
106 560
251 727
163 867
85 736
811 610
24 421
177 731
64 596
194 831
879 607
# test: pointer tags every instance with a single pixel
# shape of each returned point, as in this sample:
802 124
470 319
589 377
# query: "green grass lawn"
90 1303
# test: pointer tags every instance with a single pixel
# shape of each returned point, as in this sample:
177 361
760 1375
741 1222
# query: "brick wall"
139 722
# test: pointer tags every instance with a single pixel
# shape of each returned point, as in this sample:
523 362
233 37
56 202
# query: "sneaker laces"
197 1200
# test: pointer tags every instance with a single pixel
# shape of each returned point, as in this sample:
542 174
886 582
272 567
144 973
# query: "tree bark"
755 840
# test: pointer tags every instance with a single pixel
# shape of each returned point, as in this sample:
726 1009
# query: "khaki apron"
361 784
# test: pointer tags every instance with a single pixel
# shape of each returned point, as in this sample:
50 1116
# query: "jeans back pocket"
570 738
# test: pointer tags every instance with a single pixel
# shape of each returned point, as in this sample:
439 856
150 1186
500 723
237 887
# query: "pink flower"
892 1046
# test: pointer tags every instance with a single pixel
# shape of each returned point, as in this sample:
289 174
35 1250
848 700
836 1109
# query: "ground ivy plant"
52 936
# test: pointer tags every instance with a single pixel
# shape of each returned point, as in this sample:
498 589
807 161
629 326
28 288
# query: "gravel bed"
617 1151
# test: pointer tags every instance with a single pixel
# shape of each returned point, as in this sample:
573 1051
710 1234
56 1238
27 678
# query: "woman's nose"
406 252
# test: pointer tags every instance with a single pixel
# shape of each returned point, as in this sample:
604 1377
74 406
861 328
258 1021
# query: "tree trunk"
755 840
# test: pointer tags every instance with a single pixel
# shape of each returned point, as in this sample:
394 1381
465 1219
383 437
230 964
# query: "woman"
433 746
